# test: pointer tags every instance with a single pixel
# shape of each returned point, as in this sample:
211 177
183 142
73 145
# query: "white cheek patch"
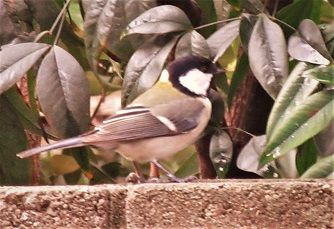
196 81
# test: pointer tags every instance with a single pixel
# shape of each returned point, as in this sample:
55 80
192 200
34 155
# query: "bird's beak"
219 71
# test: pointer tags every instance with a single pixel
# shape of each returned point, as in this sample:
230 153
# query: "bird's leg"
169 174
137 176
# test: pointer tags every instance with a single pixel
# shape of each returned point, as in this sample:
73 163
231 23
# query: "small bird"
165 119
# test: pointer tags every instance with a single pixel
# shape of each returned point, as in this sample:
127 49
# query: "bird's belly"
156 148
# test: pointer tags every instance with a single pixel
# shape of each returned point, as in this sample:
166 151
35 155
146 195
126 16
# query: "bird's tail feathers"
62 144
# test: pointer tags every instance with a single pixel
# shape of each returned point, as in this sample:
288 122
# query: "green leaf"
324 141
188 168
306 156
248 158
221 149
247 24
63 93
16 60
295 90
302 123
158 20
145 66
323 168
192 43
294 13
252 6
237 77
308 45
323 74
13 171
267 54
223 38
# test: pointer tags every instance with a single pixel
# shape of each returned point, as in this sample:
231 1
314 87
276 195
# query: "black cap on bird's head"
192 74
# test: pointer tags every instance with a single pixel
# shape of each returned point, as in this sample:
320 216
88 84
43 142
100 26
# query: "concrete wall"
221 204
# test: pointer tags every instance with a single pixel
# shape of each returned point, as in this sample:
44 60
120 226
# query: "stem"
59 29
59 17
217 22
284 23
238 129
275 8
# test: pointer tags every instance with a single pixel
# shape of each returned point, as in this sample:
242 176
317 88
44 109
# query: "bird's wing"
138 122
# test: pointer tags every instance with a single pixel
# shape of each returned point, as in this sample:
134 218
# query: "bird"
165 119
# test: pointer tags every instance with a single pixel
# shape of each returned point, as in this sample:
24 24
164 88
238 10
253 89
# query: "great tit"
165 119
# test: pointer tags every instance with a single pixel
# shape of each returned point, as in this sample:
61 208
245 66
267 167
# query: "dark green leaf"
267 54
306 156
63 93
28 118
324 75
208 15
247 24
192 43
322 169
295 90
145 66
16 60
221 149
252 6
294 13
238 76
13 171
248 159
158 20
308 45
223 38
307 119
81 155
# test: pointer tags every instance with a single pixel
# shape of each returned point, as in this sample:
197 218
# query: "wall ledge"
203 204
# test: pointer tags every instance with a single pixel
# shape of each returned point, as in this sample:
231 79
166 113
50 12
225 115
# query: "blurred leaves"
192 43
323 168
324 75
306 156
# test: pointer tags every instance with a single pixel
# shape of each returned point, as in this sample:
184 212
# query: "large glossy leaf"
294 13
302 123
268 57
221 149
63 93
192 43
13 171
237 77
308 45
247 24
17 60
322 74
294 91
223 38
158 20
252 6
322 169
306 156
145 66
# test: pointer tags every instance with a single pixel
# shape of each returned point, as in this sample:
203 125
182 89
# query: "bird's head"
191 74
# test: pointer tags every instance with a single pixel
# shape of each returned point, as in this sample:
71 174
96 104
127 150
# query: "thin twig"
284 23
238 129
59 29
275 8
59 16
217 22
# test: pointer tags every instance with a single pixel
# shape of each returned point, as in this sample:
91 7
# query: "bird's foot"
134 178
